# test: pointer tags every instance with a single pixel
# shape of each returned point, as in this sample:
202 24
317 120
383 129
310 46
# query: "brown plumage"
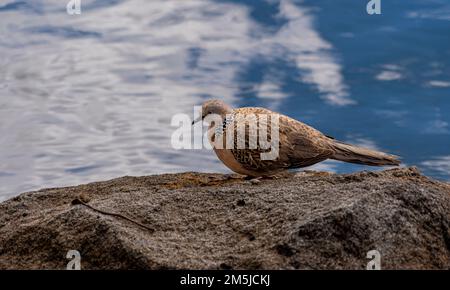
299 144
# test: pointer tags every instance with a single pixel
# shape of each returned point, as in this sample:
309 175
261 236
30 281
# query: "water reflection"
90 97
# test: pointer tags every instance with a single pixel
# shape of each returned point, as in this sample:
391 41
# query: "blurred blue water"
89 97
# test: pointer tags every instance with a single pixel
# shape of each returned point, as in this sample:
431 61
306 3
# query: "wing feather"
299 144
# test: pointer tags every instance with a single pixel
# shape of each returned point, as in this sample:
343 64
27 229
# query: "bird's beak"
197 120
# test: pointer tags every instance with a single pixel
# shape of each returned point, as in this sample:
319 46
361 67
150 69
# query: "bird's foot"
252 179
265 177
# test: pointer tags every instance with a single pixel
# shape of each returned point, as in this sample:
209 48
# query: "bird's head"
216 107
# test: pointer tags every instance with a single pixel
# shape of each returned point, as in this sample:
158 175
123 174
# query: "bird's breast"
225 155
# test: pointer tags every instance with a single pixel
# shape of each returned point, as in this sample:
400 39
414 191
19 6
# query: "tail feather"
359 155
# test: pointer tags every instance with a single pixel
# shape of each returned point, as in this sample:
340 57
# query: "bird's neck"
218 130
225 120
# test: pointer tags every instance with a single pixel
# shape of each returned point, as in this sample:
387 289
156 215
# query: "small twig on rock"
79 201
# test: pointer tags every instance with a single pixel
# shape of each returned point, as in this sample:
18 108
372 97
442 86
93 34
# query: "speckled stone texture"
308 220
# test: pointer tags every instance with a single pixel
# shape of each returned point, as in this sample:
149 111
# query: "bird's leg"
271 177
259 178
253 180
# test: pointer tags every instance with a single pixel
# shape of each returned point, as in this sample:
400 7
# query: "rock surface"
309 220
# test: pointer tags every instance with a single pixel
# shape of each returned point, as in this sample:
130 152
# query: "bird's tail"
359 155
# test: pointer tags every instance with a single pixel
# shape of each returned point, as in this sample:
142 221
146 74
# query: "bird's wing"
299 144
306 145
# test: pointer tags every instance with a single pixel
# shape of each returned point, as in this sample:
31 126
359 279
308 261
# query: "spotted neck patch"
221 129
